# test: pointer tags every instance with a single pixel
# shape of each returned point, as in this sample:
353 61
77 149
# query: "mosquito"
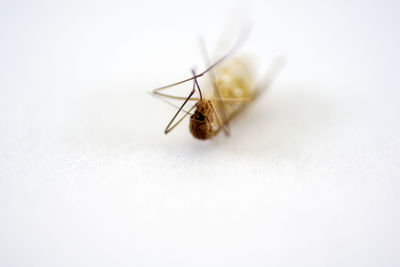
233 88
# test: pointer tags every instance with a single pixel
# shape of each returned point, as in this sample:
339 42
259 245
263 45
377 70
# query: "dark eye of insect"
200 117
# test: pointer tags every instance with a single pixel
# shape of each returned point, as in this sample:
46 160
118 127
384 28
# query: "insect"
233 88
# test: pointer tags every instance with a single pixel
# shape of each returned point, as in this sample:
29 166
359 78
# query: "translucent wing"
223 120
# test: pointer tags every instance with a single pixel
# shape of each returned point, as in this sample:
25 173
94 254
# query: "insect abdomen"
234 80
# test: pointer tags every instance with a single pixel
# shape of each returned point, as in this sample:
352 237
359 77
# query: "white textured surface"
310 176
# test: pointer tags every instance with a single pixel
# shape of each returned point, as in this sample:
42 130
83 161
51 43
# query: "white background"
309 177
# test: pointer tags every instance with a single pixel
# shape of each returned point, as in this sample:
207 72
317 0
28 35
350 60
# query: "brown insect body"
233 88
202 120
233 80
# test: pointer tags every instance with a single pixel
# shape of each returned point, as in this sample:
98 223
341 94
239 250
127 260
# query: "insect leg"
170 103
239 41
156 93
169 127
234 100
220 123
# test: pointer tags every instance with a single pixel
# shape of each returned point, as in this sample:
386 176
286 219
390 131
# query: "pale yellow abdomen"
234 80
